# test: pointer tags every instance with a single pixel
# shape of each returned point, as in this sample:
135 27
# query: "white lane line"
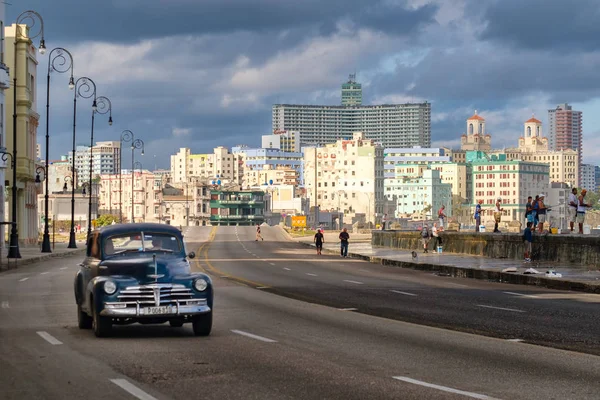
23 280
500 308
355 282
272 264
49 338
456 284
250 335
443 388
43 273
287 269
132 389
311 274
514 340
404 293
348 309
5 304
522 295
262 287
63 268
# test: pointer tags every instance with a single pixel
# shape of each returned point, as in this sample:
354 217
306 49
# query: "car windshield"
141 242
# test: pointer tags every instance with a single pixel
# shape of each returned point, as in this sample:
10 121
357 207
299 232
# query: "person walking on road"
258 235
581 208
344 237
527 239
573 201
319 240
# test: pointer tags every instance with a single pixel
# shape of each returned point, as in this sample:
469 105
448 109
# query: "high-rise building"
392 125
351 92
221 164
565 130
105 160
588 177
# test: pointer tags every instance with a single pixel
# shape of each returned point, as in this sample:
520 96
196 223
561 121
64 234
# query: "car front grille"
156 294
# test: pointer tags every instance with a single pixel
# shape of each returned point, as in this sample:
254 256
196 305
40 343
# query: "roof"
476 117
124 228
532 119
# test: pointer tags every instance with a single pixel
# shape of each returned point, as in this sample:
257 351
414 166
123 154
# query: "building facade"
220 164
351 92
263 165
414 155
59 175
565 131
476 138
588 177
4 84
59 209
347 176
243 207
105 160
24 65
288 141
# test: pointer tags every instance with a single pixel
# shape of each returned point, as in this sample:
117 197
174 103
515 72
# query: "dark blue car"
140 273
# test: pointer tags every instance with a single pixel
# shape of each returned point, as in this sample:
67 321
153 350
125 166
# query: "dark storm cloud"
544 24
125 21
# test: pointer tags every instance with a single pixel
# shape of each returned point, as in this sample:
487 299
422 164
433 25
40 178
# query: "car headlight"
110 287
200 284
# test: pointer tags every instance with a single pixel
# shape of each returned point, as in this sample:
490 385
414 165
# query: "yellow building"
221 164
278 176
27 124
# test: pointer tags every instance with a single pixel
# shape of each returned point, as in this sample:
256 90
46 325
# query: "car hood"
145 268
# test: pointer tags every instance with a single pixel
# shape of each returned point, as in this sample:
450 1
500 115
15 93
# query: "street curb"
20 263
472 273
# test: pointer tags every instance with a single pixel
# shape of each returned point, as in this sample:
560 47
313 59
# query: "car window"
94 249
161 242
134 242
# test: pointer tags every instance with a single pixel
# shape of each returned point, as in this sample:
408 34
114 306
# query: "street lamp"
61 61
22 19
101 105
139 166
85 88
136 144
126 136
38 184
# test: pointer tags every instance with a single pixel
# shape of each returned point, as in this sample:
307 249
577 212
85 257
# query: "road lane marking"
272 264
522 295
250 335
311 274
49 338
63 268
43 273
348 309
456 284
443 388
514 340
132 389
355 282
404 293
23 280
5 304
287 269
500 308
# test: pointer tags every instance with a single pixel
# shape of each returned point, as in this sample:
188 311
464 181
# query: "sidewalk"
574 277
33 254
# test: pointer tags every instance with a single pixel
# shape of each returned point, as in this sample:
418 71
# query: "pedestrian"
319 240
498 214
425 236
529 210
534 211
573 208
435 232
527 239
258 235
581 206
383 222
441 215
541 212
478 215
344 237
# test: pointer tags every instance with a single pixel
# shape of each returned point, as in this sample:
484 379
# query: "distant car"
140 273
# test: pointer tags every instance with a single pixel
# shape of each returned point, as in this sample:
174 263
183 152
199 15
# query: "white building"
105 160
413 155
588 177
347 176
421 192
557 199
59 174
262 166
220 164
288 141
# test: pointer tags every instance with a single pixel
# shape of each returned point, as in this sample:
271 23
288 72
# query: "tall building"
346 175
24 65
105 160
220 164
414 155
351 92
588 177
597 173
392 125
565 130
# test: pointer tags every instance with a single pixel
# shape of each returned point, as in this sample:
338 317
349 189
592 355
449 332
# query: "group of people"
497 214
427 235
344 238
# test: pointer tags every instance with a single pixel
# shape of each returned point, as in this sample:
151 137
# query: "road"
269 346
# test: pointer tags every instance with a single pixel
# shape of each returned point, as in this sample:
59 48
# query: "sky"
205 73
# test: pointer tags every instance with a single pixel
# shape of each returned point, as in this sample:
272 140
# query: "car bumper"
176 310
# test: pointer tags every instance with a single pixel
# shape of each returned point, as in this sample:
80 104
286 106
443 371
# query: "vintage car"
140 273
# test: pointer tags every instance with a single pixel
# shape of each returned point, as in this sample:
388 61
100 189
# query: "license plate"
158 310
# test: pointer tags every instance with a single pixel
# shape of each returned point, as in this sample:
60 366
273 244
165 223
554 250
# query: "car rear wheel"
102 325
84 321
176 323
202 324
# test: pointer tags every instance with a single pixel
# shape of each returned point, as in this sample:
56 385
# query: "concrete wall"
583 250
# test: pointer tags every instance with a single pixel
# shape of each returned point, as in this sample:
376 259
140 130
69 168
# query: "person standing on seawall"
478 215
581 208
442 216
573 208
497 214
344 237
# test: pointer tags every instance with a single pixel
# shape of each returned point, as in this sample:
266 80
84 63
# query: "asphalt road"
267 346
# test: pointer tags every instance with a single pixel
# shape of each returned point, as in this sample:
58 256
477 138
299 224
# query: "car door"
89 266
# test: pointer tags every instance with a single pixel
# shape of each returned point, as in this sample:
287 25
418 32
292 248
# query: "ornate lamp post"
126 136
85 88
61 61
22 19
38 184
136 144
101 105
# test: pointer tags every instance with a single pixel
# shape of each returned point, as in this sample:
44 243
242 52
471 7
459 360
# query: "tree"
592 198
106 219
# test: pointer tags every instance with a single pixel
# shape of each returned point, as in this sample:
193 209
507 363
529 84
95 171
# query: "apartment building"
59 175
105 160
419 190
347 175
413 155
221 164
263 165
588 177
288 141
565 130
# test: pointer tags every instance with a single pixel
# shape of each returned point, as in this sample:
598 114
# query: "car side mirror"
192 255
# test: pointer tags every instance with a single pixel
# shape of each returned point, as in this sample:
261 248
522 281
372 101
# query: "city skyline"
235 70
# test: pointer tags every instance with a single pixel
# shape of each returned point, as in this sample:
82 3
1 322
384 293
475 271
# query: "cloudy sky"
203 73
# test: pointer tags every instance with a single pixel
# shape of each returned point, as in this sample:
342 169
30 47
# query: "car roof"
127 228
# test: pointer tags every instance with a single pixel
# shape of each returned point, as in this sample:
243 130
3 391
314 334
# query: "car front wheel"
84 321
102 325
202 324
